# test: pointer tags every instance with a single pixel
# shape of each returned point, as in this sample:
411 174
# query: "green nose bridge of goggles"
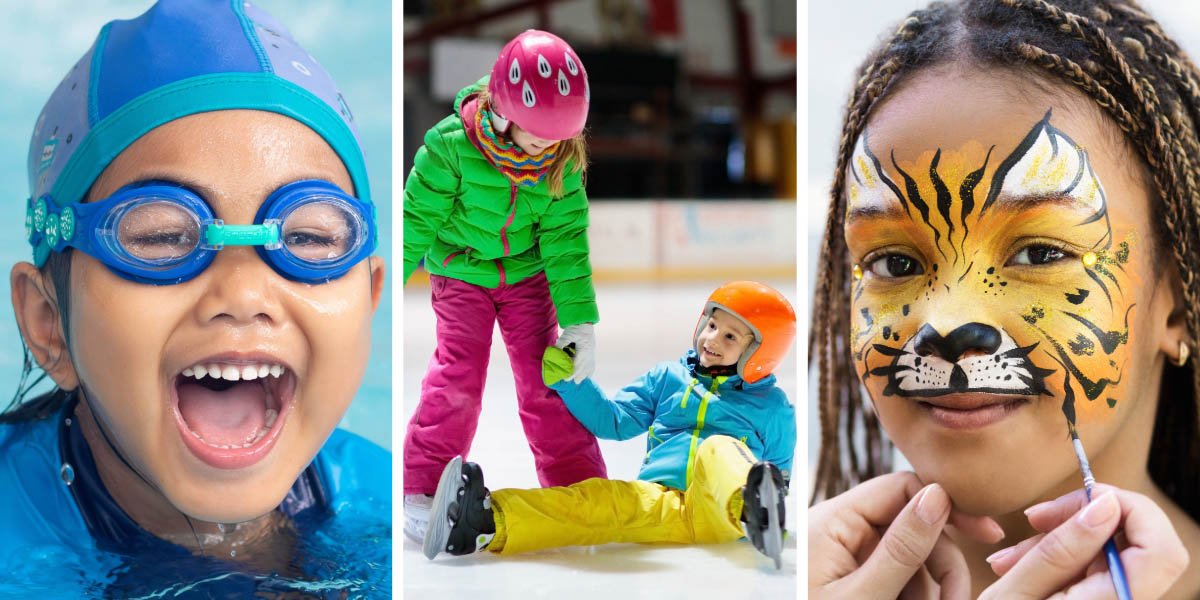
217 235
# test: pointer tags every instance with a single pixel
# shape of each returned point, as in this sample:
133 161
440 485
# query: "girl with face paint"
201 297
1012 229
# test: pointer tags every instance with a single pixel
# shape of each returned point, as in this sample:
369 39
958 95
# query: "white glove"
583 338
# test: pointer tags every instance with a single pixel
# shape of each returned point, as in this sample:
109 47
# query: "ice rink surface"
640 325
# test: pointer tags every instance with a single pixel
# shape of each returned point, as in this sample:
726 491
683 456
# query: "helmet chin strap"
120 456
499 123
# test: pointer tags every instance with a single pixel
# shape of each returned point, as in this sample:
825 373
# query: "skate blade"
437 533
773 536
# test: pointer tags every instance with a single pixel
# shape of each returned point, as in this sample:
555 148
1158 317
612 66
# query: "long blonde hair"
572 152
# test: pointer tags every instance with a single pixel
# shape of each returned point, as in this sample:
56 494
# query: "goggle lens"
158 232
322 230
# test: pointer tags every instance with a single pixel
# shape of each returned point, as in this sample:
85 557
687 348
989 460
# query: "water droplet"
67 473
68 421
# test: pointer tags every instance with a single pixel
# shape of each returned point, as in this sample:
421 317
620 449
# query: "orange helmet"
768 315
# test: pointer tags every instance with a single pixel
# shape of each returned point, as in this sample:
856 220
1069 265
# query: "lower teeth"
271 415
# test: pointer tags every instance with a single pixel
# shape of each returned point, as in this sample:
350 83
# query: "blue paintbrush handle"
1116 570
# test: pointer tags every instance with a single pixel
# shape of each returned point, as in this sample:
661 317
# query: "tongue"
224 418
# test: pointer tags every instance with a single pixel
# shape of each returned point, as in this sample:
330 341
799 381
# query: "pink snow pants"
444 423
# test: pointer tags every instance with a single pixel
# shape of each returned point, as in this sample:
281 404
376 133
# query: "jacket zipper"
512 212
687 478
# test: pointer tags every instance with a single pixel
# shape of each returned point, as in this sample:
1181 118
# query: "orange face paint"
988 269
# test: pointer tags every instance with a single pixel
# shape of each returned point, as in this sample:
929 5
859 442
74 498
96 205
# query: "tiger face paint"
1000 247
1037 212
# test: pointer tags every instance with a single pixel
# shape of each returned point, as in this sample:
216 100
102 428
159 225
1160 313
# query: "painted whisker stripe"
966 191
883 177
914 196
1103 288
943 200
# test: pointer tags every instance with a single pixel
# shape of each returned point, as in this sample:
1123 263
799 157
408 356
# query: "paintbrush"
1116 570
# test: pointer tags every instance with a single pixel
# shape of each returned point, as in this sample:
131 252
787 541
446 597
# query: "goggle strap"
217 235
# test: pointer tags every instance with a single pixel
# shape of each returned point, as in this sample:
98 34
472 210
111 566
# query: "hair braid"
838 391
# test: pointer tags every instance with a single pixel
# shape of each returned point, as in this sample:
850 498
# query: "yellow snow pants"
602 511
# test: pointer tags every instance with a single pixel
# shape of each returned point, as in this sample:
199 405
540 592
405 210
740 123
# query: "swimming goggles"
161 233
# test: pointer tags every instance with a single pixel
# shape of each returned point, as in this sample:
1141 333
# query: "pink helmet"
539 83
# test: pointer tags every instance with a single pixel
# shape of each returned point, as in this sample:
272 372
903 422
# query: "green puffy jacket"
469 222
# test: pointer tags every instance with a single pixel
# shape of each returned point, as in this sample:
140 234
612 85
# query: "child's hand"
583 336
557 365
884 537
1067 558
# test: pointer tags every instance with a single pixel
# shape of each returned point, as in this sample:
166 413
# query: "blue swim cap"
180 58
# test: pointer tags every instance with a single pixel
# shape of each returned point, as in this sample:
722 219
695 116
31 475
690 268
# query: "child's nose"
241 288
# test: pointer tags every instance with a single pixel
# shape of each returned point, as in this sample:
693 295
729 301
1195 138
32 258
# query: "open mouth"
711 354
230 413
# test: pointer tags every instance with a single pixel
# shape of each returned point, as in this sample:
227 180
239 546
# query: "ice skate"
416 515
763 511
460 518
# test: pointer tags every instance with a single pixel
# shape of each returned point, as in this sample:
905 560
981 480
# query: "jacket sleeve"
626 415
429 193
563 242
779 435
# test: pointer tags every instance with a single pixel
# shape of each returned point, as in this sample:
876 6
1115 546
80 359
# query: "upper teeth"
233 372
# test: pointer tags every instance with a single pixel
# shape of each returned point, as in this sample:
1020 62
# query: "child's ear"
36 309
378 269
1176 331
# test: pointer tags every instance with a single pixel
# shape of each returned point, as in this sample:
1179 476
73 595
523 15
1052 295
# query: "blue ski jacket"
678 406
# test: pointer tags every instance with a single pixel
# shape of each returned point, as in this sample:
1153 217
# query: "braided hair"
1115 55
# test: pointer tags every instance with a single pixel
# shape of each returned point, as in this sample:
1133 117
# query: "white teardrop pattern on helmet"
527 96
564 86
514 72
571 66
543 66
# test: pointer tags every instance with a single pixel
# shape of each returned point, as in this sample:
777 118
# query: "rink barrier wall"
687 240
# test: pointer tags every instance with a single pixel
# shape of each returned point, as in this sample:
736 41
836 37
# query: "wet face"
529 143
722 340
220 390
999 293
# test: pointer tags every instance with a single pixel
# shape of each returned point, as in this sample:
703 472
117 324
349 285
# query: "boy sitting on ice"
709 417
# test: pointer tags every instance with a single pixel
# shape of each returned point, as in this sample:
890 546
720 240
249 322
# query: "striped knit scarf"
518 167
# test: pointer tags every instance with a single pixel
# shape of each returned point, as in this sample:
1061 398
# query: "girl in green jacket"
495 207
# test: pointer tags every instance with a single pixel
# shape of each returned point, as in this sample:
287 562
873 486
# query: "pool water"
346 556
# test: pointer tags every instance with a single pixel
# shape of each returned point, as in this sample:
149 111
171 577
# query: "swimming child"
1009 272
201 296
719 433
495 206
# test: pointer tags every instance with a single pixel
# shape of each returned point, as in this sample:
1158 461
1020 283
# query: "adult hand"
1067 558
884 537
583 337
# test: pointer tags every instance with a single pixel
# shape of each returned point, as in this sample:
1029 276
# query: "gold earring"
1184 352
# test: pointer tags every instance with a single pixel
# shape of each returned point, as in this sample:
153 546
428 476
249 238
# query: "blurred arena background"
691 181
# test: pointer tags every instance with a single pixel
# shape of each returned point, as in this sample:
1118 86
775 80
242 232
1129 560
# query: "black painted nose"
972 336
